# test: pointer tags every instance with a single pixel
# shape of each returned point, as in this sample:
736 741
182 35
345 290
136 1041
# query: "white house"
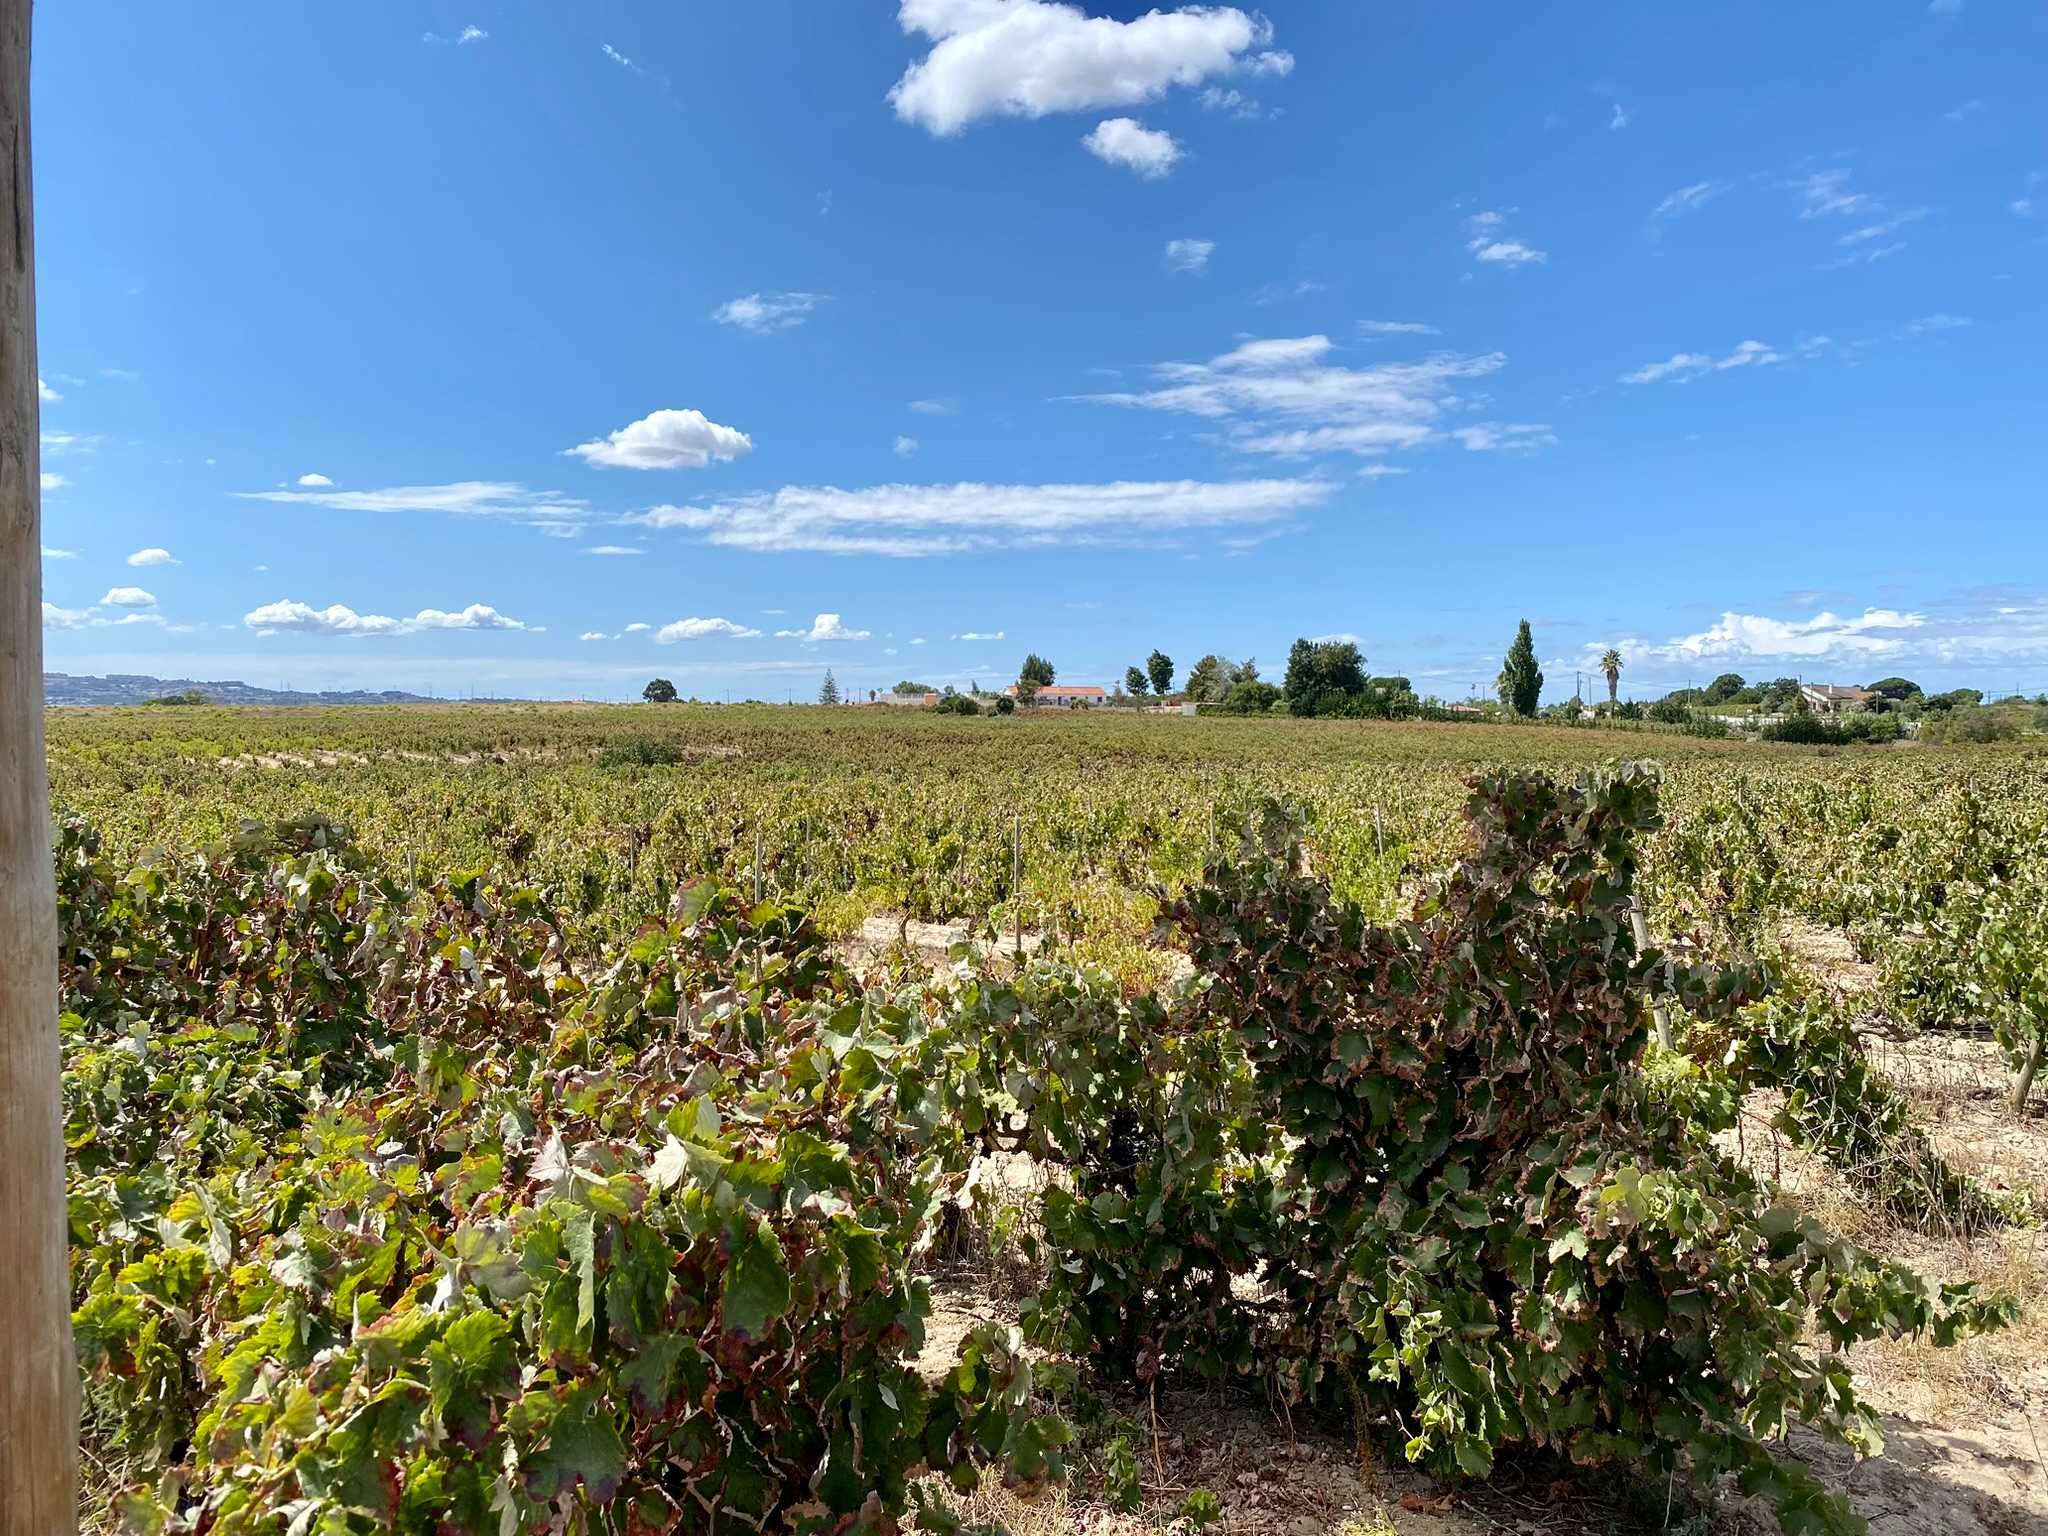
1828 699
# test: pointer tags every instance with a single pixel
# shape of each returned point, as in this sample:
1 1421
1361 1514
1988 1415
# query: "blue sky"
542 349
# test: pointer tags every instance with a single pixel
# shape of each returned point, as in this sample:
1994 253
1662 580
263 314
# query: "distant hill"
61 688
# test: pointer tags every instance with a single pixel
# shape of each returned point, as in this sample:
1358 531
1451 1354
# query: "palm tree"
1610 663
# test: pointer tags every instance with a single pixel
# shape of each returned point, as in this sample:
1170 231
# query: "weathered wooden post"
38 1374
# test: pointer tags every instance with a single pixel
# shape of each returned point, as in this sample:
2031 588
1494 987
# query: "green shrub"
639 752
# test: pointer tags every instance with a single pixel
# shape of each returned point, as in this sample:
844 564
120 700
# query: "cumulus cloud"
668 439
471 34
466 498
289 617
614 551
151 556
636 629
826 626
1030 58
1188 255
314 479
594 634
1620 120
1987 628
45 394
59 554
127 597
1486 243
1285 395
975 634
702 629
906 448
918 520
766 313
52 482
1125 141
943 405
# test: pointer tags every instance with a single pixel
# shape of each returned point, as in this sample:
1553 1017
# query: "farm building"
1828 699
1063 696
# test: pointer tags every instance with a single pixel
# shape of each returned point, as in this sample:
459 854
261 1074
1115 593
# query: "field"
471 1132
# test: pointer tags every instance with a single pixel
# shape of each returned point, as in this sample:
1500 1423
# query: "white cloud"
468 498
1510 253
944 405
1030 58
1486 244
614 551
2023 207
636 629
1396 328
65 442
915 520
314 479
619 58
1986 628
1218 98
1341 637
1861 258
475 616
1826 193
53 482
1285 396
766 313
1505 437
471 34
1189 255
127 597
1883 227
1280 293
826 626
1929 325
975 634
91 618
906 448
1874 632
918 641
1125 141
287 616
151 556
1685 200
45 394
1379 471
594 634
702 629
59 554
1684 367
668 439
1620 119
121 375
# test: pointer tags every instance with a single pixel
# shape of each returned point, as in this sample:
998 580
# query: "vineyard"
515 1118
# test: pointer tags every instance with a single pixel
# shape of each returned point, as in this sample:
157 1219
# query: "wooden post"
1642 933
1017 883
38 1373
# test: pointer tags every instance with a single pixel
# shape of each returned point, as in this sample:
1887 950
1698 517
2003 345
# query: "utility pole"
38 1372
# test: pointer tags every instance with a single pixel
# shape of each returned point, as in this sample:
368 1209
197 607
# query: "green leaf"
756 1279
